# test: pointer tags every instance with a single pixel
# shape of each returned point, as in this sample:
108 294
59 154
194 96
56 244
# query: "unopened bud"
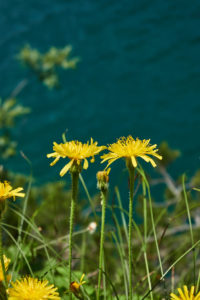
75 287
103 179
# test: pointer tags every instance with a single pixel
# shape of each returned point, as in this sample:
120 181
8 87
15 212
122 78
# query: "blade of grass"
122 248
122 258
35 229
172 265
191 231
141 171
112 285
20 250
24 208
122 213
2 258
145 237
88 195
152 218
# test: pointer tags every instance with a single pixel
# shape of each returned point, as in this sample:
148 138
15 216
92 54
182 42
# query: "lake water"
139 74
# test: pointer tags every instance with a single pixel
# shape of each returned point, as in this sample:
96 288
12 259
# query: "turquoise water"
139 74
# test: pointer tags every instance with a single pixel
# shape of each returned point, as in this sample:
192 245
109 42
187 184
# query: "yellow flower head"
129 148
75 286
6 264
76 152
6 191
184 294
32 289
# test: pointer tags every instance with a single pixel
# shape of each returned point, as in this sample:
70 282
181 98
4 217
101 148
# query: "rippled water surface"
139 74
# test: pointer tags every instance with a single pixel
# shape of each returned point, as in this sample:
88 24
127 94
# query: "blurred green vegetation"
41 245
45 65
10 111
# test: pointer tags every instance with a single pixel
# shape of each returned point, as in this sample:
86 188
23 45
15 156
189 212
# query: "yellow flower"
129 148
6 264
6 191
75 286
32 289
76 152
185 294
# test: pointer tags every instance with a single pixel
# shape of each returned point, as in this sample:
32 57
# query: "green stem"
75 176
131 183
1 258
83 250
145 237
191 232
88 195
103 198
154 233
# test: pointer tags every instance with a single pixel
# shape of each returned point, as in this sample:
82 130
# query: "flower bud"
103 179
75 287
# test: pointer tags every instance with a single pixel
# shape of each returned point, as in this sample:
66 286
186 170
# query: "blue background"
139 74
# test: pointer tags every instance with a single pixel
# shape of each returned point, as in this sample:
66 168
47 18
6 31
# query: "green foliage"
35 237
168 154
195 180
45 65
2 292
10 111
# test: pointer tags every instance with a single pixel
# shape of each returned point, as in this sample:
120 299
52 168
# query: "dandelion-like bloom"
129 148
7 192
75 286
185 294
76 152
32 289
6 264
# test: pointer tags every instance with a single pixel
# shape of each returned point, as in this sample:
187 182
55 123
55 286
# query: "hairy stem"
103 198
1 258
130 255
75 176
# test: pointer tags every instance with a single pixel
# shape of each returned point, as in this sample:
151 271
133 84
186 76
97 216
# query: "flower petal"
55 161
66 168
85 165
134 162
174 297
